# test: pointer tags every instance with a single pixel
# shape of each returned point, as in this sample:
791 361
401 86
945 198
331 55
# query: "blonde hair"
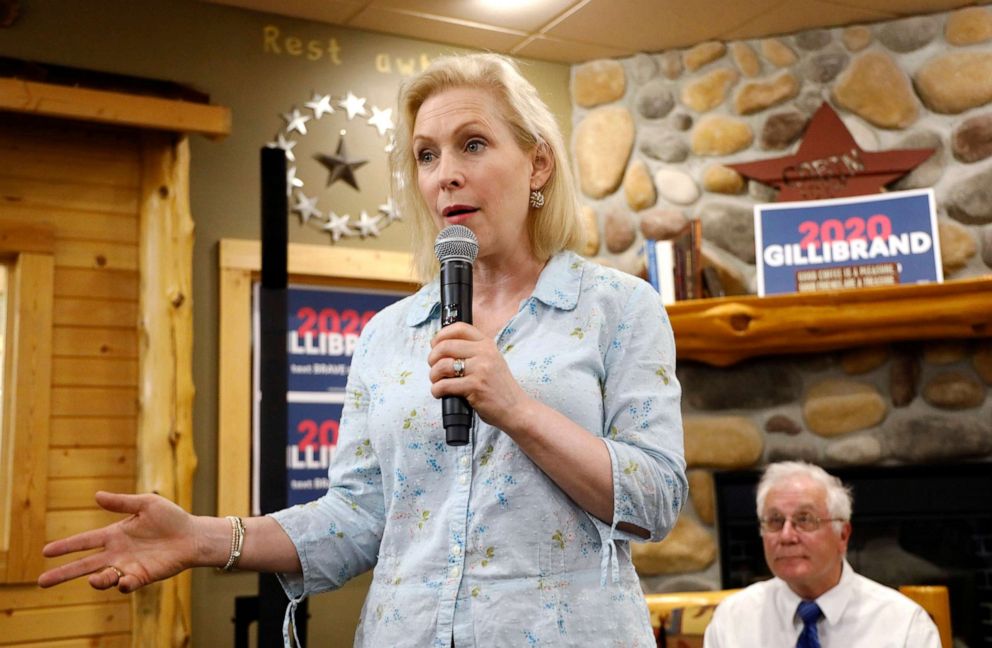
552 228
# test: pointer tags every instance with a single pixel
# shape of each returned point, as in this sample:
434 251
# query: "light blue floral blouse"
475 544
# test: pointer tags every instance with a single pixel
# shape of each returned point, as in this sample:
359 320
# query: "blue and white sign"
322 330
313 438
876 240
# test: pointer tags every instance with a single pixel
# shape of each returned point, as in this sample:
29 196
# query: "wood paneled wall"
84 183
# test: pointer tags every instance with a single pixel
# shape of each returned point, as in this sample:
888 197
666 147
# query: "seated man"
815 599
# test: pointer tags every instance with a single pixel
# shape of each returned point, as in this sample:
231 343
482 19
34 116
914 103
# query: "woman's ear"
542 165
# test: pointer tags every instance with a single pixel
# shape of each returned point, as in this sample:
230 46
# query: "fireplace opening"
922 525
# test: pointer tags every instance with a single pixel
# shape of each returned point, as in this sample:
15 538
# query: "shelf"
108 107
730 329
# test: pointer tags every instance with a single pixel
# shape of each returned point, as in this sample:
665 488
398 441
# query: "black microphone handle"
456 306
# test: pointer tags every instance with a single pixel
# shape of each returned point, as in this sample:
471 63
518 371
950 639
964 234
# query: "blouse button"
462 479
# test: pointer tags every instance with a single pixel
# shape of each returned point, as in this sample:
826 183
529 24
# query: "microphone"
456 248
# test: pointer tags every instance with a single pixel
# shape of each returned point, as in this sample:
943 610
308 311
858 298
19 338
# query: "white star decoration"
320 105
285 144
337 226
381 119
368 225
292 182
306 207
388 210
296 121
354 106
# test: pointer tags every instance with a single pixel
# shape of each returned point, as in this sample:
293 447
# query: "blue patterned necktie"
810 613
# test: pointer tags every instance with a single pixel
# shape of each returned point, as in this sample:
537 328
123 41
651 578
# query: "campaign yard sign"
322 329
876 240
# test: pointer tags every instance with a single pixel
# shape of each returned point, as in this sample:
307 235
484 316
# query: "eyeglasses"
806 522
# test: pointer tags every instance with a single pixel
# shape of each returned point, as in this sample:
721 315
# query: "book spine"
680 273
652 263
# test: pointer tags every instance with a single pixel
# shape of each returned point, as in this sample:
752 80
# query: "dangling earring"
537 199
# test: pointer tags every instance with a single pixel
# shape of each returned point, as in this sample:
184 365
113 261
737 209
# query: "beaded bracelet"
237 543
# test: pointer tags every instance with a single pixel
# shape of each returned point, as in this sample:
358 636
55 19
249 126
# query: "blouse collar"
557 286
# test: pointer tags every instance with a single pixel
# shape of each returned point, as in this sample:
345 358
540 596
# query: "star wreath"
340 166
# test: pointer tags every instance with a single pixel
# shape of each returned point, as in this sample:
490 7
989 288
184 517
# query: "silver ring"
119 573
459 367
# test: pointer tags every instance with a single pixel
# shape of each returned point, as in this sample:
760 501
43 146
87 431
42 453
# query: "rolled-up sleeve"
337 536
644 420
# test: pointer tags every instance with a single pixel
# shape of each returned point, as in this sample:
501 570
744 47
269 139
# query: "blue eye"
475 146
425 157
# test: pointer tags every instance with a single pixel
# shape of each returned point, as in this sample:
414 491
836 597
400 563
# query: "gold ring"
119 573
459 367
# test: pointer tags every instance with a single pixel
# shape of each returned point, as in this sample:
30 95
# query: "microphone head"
456 242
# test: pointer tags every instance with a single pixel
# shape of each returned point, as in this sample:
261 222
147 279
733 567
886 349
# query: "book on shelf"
675 266
688 250
712 285
661 268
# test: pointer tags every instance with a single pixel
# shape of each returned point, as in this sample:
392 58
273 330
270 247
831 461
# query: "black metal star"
340 166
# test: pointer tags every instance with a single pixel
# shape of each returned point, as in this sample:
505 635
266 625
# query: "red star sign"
830 164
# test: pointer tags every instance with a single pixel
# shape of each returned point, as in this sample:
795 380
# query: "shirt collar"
557 286
832 602
426 303
559 283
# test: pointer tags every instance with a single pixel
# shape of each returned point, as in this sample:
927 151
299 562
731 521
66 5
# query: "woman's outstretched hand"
157 540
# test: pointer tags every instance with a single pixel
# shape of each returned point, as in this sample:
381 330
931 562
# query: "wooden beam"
234 394
315 261
46 624
74 592
26 237
117 108
726 330
166 458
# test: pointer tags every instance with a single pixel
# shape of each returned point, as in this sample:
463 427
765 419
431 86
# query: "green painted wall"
260 66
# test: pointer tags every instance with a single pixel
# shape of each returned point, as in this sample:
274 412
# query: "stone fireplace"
908 424
863 386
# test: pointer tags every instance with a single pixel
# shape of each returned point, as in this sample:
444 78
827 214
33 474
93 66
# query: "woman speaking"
519 537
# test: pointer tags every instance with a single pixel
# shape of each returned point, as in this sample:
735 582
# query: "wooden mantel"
716 331
726 330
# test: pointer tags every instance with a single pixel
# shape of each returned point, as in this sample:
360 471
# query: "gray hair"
839 497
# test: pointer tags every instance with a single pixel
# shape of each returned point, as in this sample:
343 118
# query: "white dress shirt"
856 612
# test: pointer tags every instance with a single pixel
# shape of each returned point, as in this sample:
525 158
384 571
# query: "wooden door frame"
161 613
240 264
26 408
